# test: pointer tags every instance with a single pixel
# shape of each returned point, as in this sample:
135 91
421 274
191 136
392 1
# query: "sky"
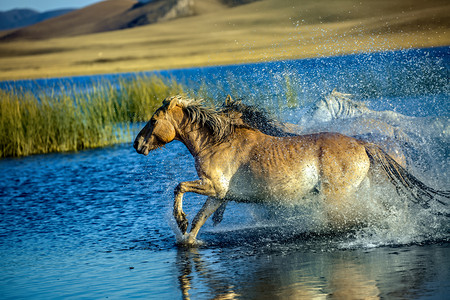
44 5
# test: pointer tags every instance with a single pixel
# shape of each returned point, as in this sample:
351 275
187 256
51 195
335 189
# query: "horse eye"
152 122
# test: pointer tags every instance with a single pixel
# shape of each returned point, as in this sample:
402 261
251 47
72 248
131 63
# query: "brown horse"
236 162
375 131
255 117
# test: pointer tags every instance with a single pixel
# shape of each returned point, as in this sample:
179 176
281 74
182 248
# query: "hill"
113 15
218 34
25 17
90 19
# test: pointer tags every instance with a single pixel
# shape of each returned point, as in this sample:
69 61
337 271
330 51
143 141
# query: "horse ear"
173 103
170 102
229 100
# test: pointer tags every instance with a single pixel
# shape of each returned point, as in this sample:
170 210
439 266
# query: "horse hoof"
188 241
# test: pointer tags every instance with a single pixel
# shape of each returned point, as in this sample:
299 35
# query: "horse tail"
404 182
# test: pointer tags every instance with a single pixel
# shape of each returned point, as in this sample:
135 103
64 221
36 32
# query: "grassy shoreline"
65 120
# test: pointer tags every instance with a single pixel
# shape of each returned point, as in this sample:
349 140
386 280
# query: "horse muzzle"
140 146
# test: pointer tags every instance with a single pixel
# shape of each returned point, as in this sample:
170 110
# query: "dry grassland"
261 31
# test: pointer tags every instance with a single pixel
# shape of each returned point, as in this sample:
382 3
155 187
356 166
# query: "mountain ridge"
17 18
111 15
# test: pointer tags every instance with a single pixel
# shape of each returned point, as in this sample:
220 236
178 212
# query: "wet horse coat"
240 163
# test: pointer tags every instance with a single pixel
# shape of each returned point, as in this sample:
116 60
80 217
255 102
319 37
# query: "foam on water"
401 224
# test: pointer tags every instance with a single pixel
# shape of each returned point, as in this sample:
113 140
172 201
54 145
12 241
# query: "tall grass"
103 114
67 120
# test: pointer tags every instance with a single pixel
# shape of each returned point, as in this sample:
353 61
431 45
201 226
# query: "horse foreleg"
202 187
210 206
178 212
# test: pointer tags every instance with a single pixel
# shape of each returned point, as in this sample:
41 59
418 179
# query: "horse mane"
232 114
254 117
221 125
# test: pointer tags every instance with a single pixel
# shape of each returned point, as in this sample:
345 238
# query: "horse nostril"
142 149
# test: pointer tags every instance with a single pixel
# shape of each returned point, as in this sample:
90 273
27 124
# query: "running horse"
237 162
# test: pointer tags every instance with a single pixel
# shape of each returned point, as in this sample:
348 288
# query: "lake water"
394 80
97 224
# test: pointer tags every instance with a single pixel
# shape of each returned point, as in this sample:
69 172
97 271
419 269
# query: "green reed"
68 120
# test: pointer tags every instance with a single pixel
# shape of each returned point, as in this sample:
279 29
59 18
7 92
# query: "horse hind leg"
218 215
336 205
346 206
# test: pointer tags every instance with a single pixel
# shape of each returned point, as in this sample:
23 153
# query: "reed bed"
69 120
101 114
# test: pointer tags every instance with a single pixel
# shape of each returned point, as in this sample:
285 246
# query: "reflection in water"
349 281
191 265
265 273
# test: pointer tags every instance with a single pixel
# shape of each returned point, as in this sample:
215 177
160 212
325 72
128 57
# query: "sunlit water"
97 224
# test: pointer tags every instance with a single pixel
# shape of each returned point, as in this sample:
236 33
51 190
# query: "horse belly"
282 185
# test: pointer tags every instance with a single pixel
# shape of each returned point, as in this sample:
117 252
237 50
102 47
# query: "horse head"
336 106
160 130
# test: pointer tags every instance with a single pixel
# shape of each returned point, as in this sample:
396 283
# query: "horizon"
46 5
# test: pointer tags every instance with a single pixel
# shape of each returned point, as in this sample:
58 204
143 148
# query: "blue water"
97 223
394 80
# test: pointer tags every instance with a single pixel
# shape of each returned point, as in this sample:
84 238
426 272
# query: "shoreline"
155 72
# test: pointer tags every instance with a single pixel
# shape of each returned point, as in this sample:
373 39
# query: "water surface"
97 223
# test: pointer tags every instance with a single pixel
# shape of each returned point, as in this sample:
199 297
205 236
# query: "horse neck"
196 138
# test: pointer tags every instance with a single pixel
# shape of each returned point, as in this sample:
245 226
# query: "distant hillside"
93 18
113 15
219 33
105 16
17 18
